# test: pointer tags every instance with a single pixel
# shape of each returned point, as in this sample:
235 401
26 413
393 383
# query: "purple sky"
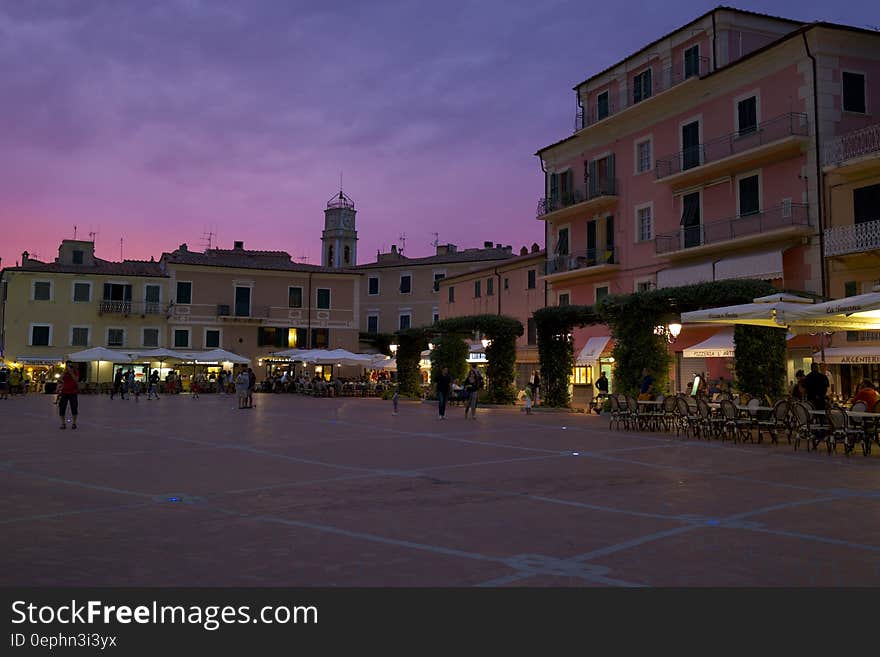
157 121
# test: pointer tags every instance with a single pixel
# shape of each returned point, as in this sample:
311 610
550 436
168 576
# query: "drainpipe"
546 231
309 315
714 48
819 182
498 279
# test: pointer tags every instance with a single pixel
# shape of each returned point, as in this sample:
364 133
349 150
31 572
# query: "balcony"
770 140
857 238
595 260
852 146
668 78
593 198
783 221
109 307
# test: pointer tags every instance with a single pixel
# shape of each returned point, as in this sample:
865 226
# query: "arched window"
329 256
346 254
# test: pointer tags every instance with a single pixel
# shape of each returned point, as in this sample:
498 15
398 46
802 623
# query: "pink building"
697 159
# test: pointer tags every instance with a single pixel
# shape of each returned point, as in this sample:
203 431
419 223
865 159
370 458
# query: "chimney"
487 245
523 251
498 246
238 245
182 247
394 248
24 258
535 247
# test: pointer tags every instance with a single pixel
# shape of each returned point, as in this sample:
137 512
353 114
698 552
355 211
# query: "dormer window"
77 257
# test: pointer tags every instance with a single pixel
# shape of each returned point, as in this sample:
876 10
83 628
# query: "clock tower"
339 239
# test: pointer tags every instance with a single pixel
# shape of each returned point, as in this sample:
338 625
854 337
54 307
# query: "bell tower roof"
340 201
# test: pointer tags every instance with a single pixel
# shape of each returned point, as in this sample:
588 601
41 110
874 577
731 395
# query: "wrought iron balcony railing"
581 260
132 307
686 237
787 125
667 78
606 187
857 238
851 145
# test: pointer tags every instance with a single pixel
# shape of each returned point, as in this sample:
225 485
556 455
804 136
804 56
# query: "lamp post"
668 332
485 343
393 349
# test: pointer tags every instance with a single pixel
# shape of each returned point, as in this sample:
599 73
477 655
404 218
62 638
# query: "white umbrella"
288 354
99 353
221 355
856 313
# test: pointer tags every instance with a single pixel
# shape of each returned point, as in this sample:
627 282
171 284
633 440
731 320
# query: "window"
645 223
405 321
294 297
866 204
747 116
242 301
212 338
184 292
373 286
692 61
324 298
506 283
181 337
854 92
116 337
405 284
346 254
564 299
272 337
451 294
41 335
435 317
691 154
320 338
82 292
643 156
749 196
642 88
150 337
42 290
601 292
296 337
644 286
600 177
531 331
152 296
438 276
850 289
561 242
532 277
77 257
490 287
602 107
477 288
690 220
79 336
372 323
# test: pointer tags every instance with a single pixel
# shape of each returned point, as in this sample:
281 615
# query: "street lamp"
430 346
485 343
668 332
393 349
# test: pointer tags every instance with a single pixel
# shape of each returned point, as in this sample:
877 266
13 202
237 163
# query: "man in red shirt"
868 394
68 395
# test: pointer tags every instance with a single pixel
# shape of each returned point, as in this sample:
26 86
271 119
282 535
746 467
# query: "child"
394 398
528 401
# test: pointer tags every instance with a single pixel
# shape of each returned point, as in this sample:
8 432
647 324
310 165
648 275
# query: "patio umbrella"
99 354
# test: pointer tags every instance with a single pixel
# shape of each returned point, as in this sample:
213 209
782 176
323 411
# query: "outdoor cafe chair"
617 412
711 424
777 422
842 431
687 420
669 418
735 425
805 427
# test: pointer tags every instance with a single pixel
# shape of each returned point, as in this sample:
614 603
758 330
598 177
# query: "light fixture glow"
675 329
392 348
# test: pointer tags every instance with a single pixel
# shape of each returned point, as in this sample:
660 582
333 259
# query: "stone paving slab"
337 492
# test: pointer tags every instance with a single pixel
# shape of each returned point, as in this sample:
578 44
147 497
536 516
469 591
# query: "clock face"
346 222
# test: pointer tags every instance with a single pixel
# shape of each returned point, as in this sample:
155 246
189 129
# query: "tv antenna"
304 258
436 241
208 239
402 239
74 231
120 249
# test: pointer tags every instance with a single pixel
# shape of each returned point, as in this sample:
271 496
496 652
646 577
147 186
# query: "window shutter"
281 337
610 182
648 90
593 181
554 187
107 292
260 337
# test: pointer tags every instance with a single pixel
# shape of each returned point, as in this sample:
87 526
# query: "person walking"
117 385
242 383
394 399
444 384
528 401
154 385
472 385
196 386
68 395
797 390
536 386
252 383
4 383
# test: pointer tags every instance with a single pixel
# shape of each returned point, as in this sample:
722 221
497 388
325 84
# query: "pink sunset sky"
155 122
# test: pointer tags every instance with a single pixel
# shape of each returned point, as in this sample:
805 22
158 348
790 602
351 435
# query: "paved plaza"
300 491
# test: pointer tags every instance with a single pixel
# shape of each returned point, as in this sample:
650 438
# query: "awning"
719 345
688 275
38 360
850 355
762 266
100 353
593 350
